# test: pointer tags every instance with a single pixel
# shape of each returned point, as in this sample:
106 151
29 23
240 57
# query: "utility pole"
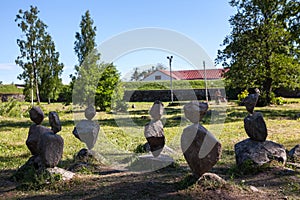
171 85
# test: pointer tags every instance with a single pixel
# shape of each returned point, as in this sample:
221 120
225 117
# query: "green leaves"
262 50
38 57
94 81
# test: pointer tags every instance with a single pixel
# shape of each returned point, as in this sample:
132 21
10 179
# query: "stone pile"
200 148
256 148
45 145
87 130
154 130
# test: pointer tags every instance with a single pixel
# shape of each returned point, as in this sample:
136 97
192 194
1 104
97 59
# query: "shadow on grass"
234 115
6 125
161 184
168 111
151 185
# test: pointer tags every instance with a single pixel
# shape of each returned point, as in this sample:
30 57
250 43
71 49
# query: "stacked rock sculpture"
87 130
200 148
154 130
256 148
254 123
45 144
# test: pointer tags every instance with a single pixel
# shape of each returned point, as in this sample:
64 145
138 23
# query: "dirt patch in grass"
168 183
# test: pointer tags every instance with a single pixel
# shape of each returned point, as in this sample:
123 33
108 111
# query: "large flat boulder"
259 153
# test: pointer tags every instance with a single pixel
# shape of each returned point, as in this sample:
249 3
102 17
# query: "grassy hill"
177 84
10 89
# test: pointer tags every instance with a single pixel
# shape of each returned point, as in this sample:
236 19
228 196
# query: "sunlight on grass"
118 129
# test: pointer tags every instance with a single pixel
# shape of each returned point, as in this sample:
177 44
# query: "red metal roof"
195 74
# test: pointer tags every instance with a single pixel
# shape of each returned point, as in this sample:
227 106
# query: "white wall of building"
156 75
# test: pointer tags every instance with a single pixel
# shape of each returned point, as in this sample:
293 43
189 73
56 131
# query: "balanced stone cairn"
87 130
254 123
256 148
200 148
45 145
154 130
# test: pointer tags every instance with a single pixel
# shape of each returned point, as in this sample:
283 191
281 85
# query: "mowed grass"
123 132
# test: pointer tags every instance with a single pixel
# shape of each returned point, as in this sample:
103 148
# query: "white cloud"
8 66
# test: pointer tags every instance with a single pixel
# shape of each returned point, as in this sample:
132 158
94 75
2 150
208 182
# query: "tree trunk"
37 89
268 88
268 82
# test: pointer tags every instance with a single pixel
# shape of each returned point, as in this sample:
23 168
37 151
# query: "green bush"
262 100
278 101
242 96
12 108
31 179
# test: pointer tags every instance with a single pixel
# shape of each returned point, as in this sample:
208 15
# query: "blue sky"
204 22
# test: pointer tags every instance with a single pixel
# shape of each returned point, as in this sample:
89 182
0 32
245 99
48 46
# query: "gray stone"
200 148
75 133
88 132
51 149
157 110
66 175
90 112
294 153
54 122
259 152
251 100
253 189
195 111
84 155
255 127
154 129
211 177
34 137
36 115
156 145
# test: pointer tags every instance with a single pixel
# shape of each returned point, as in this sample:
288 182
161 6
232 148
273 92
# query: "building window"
157 77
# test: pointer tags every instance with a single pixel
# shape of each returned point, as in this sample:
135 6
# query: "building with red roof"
210 74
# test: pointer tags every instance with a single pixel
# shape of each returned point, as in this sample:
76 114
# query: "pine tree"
84 82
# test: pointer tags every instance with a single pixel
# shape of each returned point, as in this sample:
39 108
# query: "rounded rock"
36 115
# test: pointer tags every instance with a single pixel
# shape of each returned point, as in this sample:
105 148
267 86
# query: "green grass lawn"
124 132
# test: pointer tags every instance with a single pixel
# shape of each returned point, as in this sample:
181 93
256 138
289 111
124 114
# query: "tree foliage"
39 59
107 84
51 70
263 47
87 71
94 82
